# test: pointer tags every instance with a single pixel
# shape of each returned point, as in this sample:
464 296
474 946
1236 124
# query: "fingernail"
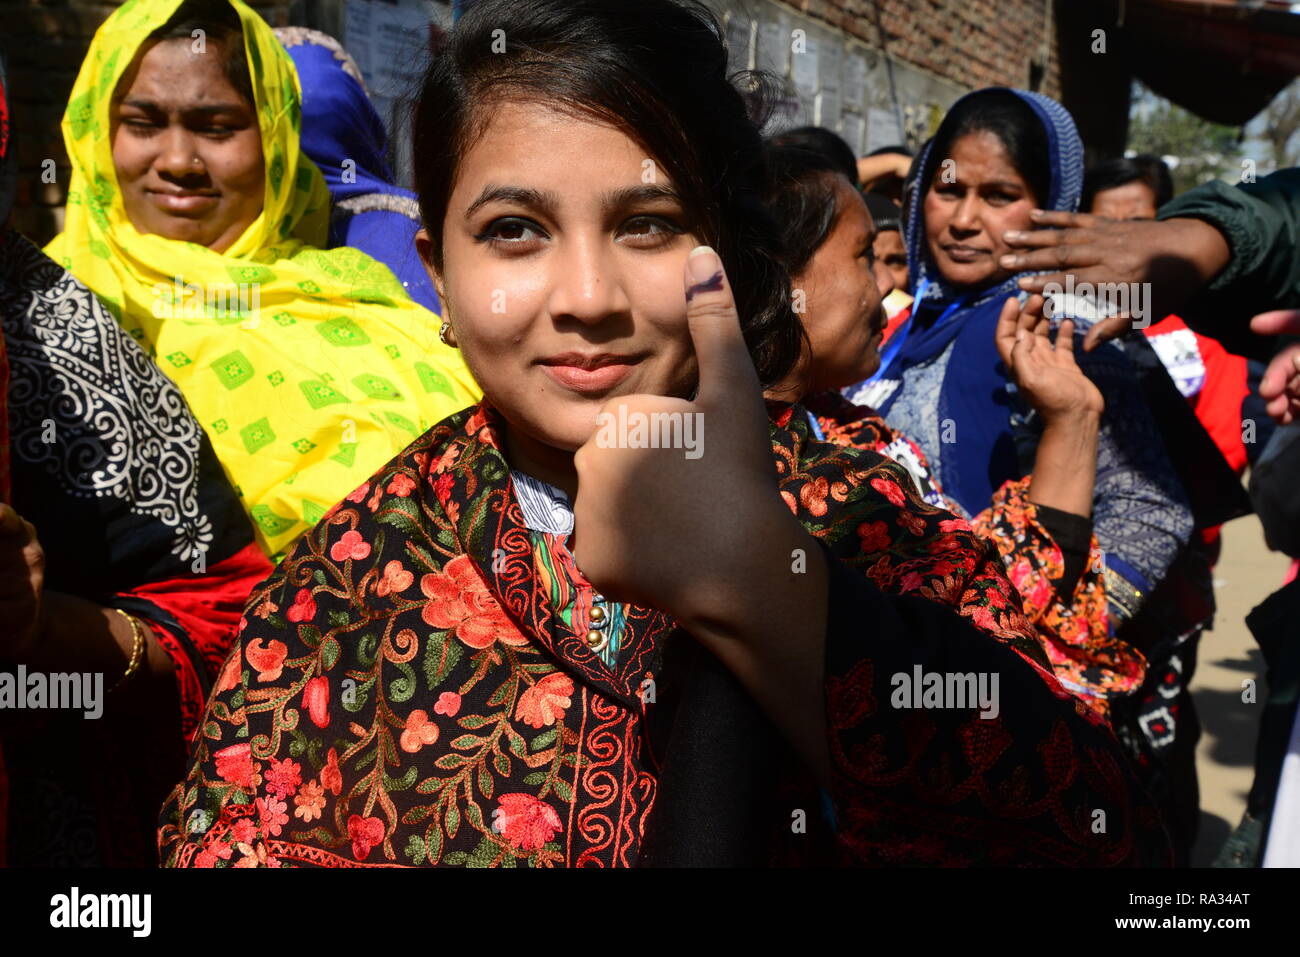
1013 234
1020 334
1008 261
703 263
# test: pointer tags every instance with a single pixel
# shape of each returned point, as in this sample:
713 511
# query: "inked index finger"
720 350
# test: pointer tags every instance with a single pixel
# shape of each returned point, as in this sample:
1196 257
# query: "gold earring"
446 335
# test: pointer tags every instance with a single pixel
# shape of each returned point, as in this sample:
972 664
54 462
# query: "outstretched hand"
1046 373
1175 256
1280 387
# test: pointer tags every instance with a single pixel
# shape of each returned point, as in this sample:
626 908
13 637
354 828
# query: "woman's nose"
178 156
965 217
587 286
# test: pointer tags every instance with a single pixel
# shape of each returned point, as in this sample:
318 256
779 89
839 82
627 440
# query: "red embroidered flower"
448 704
524 821
283 777
235 765
459 599
330 775
812 495
266 608
316 699
402 485
309 802
395 581
442 486
359 495
272 813
350 545
419 732
912 522
244 831
365 832
268 660
911 581
874 535
954 525
229 679
376 498
545 702
303 607
890 490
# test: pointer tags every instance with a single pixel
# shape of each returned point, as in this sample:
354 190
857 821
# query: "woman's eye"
650 230
510 232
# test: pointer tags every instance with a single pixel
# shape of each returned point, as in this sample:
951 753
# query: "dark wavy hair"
655 69
801 197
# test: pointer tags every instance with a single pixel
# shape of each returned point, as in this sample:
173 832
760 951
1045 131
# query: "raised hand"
1047 374
652 524
1280 387
708 539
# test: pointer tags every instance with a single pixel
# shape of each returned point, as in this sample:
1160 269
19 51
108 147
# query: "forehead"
1136 191
530 144
981 156
172 72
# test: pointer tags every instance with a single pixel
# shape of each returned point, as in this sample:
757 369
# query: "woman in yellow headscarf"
194 216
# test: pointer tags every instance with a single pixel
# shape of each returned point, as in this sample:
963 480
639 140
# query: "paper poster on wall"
855 79
773 48
804 63
851 129
882 129
738 32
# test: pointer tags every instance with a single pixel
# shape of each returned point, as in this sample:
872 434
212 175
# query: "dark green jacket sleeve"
1261 222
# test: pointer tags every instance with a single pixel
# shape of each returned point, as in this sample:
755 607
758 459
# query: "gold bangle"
137 648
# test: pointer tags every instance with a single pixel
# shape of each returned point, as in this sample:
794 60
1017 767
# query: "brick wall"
972 43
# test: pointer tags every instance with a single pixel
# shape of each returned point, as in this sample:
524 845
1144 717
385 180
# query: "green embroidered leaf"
415 849
441 655
452 820
562 789
472 721
544 740
417 814
449 762
402 783
474 815
456 858
534 779
485 785
484 854
502 764
467 741
330 652
435 844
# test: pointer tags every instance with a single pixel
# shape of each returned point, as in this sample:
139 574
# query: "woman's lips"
183 203
589 375
964 254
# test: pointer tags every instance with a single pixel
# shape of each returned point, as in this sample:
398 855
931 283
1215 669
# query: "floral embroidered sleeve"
1086 657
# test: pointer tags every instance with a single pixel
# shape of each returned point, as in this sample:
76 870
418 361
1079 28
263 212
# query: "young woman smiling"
517 646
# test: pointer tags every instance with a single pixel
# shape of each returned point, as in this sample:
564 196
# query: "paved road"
1247 573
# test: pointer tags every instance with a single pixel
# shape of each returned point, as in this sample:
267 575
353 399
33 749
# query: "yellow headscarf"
308 368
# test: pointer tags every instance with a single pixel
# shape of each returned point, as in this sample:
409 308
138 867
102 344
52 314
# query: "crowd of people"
314 469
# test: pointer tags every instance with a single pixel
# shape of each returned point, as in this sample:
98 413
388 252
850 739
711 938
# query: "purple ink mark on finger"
712 284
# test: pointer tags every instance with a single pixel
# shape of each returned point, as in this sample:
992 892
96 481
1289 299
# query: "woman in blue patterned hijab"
345 137
999 154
